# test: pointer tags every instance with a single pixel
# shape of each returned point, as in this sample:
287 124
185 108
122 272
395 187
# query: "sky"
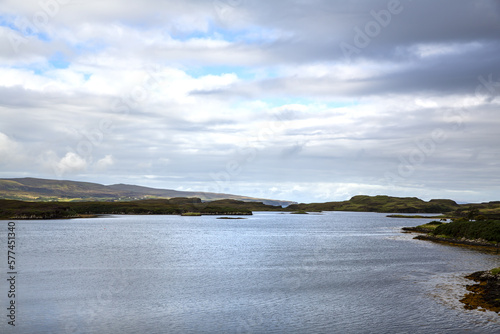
309 101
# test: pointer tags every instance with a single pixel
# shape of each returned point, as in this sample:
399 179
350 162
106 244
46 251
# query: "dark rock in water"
416 229
486 294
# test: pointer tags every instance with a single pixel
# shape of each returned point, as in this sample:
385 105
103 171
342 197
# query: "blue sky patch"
58 60
241 71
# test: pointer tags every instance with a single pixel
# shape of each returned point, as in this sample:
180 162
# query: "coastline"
474 244
99 215
485 294
55 217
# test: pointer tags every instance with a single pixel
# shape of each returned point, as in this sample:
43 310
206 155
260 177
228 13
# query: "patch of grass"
488 230
495 271
430 226
300 212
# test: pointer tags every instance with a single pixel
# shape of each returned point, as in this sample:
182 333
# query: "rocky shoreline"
485 295
478 243
416 229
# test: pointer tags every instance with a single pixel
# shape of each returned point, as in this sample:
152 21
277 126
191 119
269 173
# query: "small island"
299 212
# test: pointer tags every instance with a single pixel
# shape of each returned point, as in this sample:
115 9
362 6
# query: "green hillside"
32 189
364 203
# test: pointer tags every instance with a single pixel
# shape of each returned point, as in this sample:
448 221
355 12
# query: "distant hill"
152 200
387 204
43 190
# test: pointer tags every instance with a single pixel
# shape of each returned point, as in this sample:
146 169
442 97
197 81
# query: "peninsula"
12 209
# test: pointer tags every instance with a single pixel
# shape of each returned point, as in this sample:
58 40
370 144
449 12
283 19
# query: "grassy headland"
388 204
425 228
479 233
487 230
462 231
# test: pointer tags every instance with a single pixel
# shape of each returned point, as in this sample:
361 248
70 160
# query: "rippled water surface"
337 272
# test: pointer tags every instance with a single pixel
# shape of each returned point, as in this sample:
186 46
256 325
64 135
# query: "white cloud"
104 163
443 49
9 150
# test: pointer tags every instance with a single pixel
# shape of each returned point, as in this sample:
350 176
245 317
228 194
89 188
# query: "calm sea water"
337 272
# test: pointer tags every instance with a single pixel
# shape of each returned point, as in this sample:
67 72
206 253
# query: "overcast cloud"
310 101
